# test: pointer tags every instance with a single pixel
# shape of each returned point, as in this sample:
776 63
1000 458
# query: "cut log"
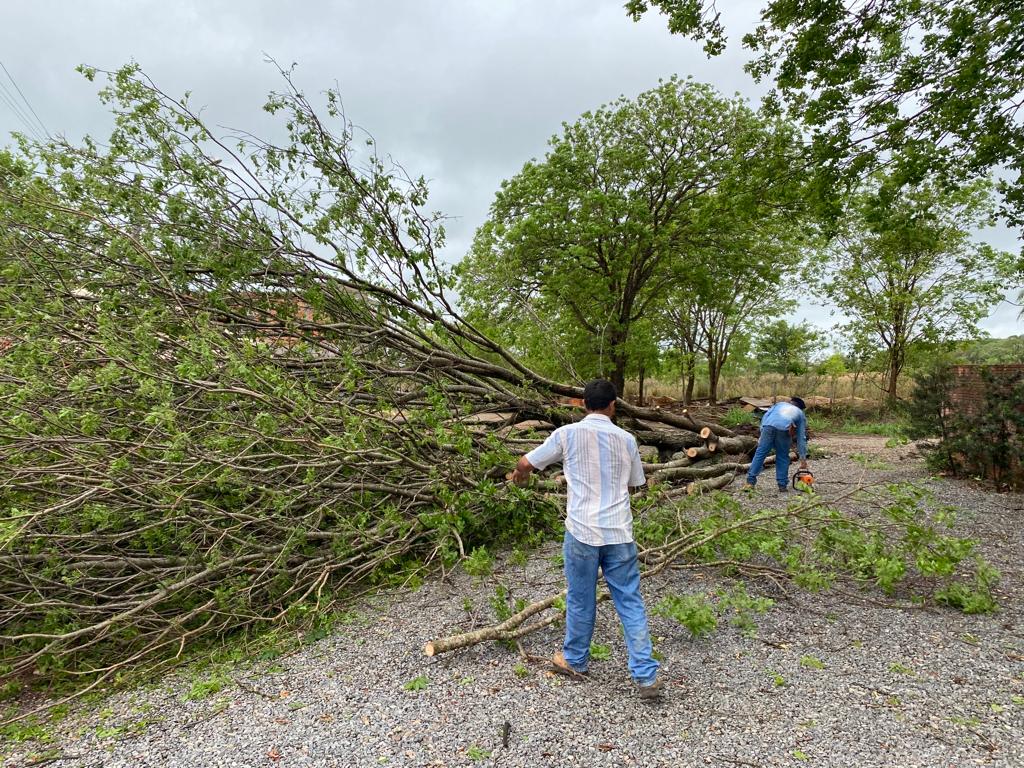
697 473
682 420
698 452
711 484
718 429
685 461
537 425
738 444
712 481
677 439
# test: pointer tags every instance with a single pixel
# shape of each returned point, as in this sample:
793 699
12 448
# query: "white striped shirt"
600 463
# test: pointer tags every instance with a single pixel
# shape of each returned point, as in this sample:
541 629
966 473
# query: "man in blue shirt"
779 426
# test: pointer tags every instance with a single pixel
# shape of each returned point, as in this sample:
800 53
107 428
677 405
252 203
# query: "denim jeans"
780 440
621 572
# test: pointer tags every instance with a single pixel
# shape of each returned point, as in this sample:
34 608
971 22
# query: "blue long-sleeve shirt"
784 416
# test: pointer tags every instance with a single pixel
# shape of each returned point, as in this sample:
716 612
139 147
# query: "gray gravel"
897 687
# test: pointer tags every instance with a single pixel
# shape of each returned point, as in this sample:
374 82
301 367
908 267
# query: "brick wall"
1006 466
968 393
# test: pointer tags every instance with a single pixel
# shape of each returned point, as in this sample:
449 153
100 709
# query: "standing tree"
906 270
678 327
740 276
833 366
592 238
785 348
748 276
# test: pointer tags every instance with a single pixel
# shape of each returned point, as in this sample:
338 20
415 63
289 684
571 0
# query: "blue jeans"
780 440
621 572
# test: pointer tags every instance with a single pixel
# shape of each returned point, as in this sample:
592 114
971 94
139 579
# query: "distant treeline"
991 351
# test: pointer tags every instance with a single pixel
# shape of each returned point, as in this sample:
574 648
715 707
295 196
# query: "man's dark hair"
798 402
598 394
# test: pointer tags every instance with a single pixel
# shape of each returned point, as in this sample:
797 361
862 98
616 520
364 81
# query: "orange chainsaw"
803 480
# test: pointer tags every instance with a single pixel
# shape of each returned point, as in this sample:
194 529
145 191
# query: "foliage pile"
899 552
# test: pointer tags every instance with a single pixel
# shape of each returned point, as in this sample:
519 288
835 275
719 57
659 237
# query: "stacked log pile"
698 457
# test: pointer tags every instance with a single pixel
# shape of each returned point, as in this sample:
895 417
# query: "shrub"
988 440
736 417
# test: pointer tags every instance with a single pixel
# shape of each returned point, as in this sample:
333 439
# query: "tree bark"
714 375
675 439
682 420
737 444
698 487
698 473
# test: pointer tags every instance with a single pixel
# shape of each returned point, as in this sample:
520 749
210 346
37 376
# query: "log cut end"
428 649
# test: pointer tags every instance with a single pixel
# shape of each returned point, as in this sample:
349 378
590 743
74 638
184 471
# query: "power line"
41 124
13 106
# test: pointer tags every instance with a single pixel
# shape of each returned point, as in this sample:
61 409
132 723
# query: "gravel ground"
894 687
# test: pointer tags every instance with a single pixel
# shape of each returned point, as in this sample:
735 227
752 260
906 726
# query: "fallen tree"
234 387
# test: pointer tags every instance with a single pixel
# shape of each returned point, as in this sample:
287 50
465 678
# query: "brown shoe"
652 692
561 667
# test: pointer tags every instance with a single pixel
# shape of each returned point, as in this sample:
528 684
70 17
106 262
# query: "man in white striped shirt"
600 462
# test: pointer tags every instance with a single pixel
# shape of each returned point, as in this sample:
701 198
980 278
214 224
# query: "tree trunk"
691 378
640 388
618 337
738 444
893 376
698 473
698 487
618 377
714 373
687 363
676 439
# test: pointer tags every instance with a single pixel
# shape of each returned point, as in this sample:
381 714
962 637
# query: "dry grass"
867 389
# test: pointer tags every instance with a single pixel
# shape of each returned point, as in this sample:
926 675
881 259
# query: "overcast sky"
460 91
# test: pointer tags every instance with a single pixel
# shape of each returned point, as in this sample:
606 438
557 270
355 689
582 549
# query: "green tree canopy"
787 348
906 270
582 245
748 274
934 86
